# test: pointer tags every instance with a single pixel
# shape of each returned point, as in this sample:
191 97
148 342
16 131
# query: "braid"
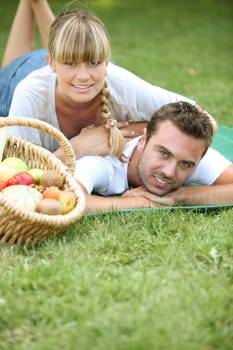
116 139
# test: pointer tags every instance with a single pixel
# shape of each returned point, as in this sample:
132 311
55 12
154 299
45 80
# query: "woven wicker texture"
23 227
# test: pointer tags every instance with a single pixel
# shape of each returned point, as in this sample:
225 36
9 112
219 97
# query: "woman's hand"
131 129
92 140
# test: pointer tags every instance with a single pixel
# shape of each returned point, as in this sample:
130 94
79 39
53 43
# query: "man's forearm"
98 203
203 195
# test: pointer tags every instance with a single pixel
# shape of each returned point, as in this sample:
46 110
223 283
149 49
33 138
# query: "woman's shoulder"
35 94
115 72
40 74
39 80
123 82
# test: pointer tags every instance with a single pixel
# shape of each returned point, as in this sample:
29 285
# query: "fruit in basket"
11 182
6 172
16 163
3 139
24 178
22 196
65 197
36 174
3 185
51 178
68 200
49 206
51 192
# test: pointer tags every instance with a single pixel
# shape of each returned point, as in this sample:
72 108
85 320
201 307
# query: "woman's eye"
72 64
94 63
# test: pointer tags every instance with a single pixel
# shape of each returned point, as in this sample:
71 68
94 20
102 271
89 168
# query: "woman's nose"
82 71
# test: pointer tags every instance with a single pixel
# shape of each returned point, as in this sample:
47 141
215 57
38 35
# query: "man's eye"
187 165
164 154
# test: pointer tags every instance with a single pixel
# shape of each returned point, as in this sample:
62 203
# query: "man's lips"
161 182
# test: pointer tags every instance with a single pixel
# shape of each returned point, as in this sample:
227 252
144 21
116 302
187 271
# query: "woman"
78 91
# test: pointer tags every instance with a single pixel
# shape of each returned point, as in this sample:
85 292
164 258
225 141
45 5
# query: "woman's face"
79 82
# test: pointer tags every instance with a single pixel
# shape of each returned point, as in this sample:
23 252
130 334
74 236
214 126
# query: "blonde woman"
73 85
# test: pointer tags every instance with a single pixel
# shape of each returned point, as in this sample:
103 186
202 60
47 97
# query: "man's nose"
169 168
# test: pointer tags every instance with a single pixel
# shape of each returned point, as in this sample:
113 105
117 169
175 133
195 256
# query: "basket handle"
48 129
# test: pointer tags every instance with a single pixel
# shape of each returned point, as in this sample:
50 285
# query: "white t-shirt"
131 98
108 175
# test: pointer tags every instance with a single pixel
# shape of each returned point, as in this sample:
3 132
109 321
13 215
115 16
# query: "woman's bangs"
82 46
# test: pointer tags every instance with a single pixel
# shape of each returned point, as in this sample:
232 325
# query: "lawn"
146 279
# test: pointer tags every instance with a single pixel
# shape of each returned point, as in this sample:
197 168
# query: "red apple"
24 178
2 185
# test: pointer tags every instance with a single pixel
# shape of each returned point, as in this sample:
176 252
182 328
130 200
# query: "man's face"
168 158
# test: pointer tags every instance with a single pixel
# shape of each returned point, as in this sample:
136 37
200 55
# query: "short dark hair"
188 118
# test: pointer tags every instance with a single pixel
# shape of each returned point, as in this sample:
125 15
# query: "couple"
172 153
72 85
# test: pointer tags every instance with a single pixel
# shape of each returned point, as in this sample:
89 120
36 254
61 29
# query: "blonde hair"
116 139
79 36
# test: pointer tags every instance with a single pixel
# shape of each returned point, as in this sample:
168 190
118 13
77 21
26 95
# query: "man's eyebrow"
165 149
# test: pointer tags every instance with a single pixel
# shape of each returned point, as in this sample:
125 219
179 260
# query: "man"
172 153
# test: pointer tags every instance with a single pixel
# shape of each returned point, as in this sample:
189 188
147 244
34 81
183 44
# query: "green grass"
140 280
123 281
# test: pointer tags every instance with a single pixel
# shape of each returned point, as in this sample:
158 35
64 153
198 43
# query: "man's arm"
132 199
98 204
221 192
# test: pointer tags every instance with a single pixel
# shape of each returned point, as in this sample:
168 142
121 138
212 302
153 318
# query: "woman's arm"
95 140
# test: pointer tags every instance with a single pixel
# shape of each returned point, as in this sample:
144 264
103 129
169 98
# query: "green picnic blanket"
223 142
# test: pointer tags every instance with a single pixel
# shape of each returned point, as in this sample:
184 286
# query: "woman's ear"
51 62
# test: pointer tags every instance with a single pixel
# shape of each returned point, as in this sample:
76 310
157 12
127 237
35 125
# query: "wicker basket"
23 227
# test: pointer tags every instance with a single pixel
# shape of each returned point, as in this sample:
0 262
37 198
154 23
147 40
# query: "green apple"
36 174
16 163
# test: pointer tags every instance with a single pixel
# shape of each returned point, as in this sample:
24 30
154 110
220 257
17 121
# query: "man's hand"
154 201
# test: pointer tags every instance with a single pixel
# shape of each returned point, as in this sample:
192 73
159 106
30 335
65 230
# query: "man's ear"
51 62
142 141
